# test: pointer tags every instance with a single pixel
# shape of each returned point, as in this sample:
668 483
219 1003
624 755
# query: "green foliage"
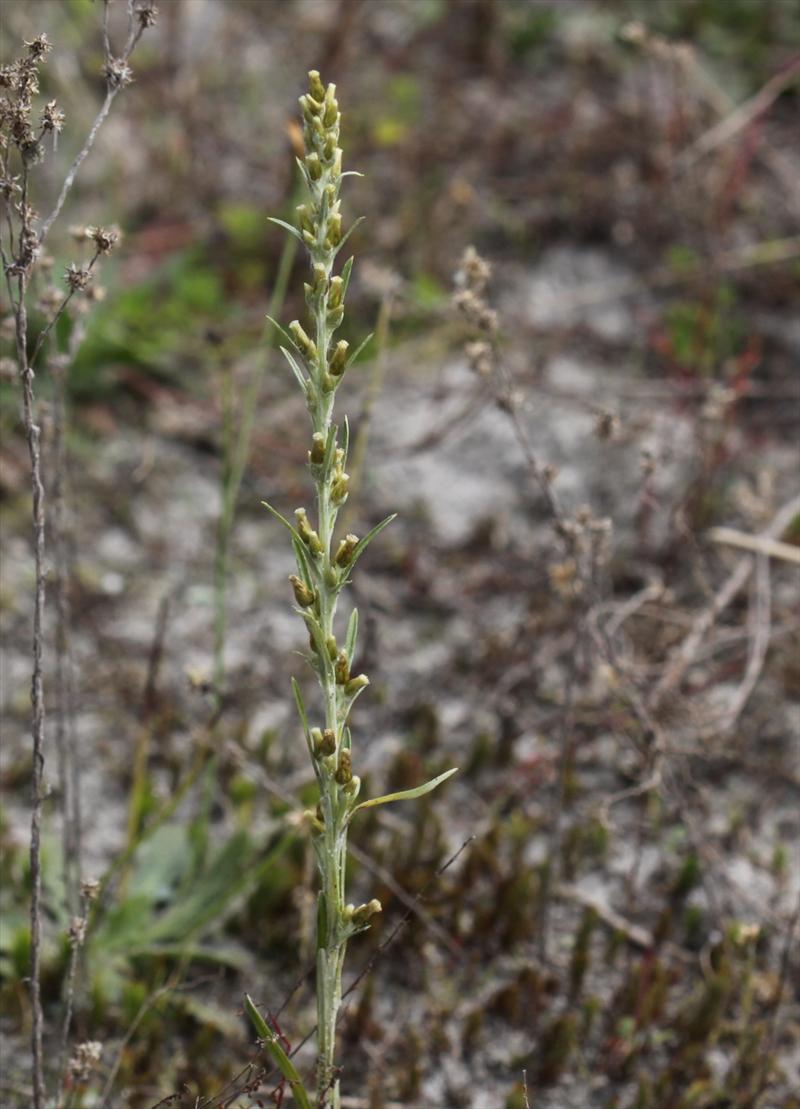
530 29
739 33
703 333
146 325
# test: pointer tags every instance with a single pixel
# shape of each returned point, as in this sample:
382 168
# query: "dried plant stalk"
22 147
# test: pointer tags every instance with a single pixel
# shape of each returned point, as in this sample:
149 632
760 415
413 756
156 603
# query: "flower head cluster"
84 1059
20 82
472 279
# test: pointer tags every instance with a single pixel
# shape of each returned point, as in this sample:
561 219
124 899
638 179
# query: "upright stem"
32 435
323 569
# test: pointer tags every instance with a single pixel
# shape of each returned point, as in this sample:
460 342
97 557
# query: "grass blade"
277 1054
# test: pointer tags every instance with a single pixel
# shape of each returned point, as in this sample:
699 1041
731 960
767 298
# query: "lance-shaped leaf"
349 232
292 530
304 564
284 334
298 373
357 351
352 635
362 545
287 227
330 448
301 712
345 440
277 1054
346 271
407 794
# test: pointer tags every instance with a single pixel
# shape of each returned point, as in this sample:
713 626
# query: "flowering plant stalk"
324 565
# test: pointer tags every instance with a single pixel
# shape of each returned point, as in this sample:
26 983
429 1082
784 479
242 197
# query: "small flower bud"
314 166
335 316
340 487
344 771
338 359
320 278
307 533
317 453
332 646
302 594
328 383
342 668
310 108
329 149
315 85
364 912
336 292
353 787
306 345
355 684
344 552
331 114
334 236
306 220
324 743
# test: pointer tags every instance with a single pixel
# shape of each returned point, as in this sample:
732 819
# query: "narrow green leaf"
365 542
292 530
322 920
349 232
303 562
330 447
301 707
358 351
284 334
304 172
298 373
346 271
407 794
346 440
277 1054
352 634
286 226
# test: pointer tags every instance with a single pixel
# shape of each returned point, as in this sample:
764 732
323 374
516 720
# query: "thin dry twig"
760 620
739 118
683 655
113 87
758 544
